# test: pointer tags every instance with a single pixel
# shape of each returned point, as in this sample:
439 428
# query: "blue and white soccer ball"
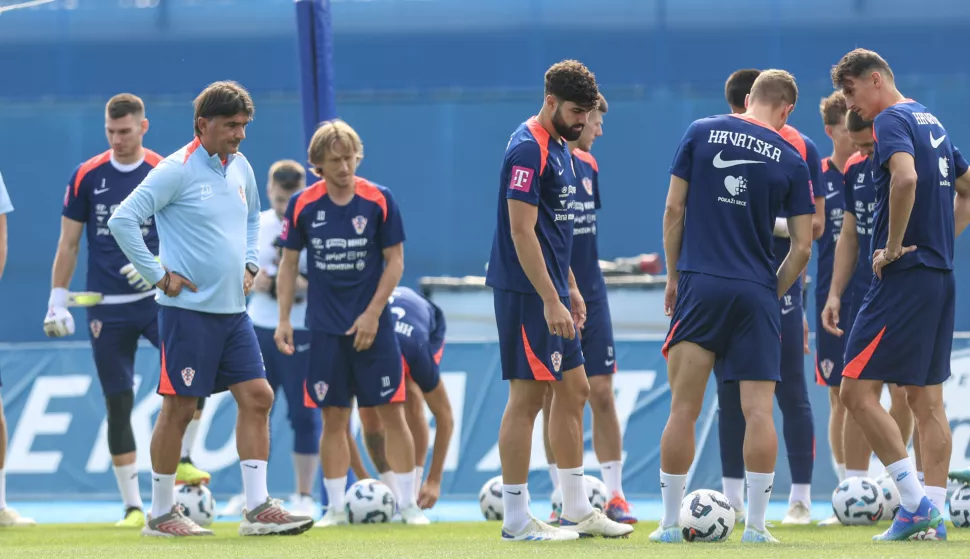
960 507
890 496
858 501
198 503
706 516
368 501
490 499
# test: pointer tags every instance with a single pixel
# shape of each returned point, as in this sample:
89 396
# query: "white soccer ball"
198 503
706 516
368 501
960 507
490 499
595 491
858 501
890 496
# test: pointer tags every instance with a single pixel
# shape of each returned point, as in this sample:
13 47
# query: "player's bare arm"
364 328
961 203
673 237
818 219
522 223
289 269
3 243
902 196
800 231
576 303
440 407
843 266
68 246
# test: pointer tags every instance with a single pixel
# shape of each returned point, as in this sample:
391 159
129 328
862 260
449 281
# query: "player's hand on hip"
883 257
559 319
578 308
248 280
429 494
830 316
670 296
284 337
58 322
134 278
805 334
364 330
173 283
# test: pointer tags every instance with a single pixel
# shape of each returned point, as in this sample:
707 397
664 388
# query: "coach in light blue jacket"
206 207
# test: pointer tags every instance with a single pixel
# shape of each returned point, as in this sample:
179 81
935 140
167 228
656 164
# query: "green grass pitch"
451 540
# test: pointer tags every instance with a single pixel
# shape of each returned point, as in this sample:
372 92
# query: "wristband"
58 298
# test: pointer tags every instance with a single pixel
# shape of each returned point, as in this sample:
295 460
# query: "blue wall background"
435 87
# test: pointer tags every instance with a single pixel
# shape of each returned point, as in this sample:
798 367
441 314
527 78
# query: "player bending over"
538 307
851 275
8 516
420 328
722 289
792 391
353 234
596 336
128 310
205 200
286 372
903 333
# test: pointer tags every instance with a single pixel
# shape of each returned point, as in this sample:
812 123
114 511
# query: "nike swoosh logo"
103 190
385 393
831 194
302 348
935 142
514 492
788 310
609 362
722 164
250 466
858 186
316 224
560 172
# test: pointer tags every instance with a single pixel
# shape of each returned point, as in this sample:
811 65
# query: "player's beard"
567 133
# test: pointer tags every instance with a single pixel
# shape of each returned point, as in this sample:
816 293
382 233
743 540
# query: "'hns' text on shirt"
926 118
742 140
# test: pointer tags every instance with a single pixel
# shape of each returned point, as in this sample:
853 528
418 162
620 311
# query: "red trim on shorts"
438 354
165 383
307 400
538 368
402 392
854 368
407 368
819 379
670 336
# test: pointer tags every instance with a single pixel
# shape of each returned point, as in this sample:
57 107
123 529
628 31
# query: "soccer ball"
369 501
890 496
595 492
490 499
960 507
197 502
706 516
858 501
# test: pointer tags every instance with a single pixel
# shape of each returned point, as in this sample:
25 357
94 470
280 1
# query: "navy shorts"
529 351
421 363
904 331
114 331
739 321
338 372
597 339
288 372
205 353
829 348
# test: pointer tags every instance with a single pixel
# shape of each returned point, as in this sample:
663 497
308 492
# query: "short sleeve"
892 136
5 205
960 162
76 199
292 237
684 158
521 172
848 189
800 200
391 231
814 162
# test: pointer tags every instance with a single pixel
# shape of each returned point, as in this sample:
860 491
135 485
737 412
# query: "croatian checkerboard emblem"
188 374
556 361
588 185
321 388
242 194
359 222
827 366
95 328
